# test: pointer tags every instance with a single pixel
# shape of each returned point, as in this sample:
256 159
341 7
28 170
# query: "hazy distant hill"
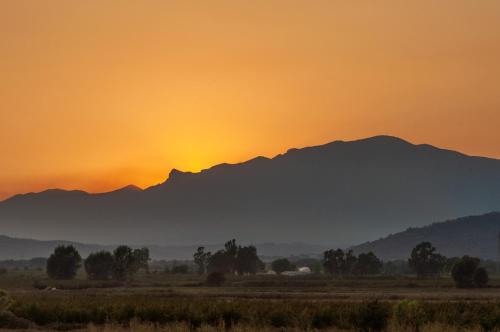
476 236
15 248
338 193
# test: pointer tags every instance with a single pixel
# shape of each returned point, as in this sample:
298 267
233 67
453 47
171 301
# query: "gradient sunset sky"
96 94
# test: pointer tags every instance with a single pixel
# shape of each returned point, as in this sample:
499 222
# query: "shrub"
215 279
371 317
409 315
463 271
480 277
281 265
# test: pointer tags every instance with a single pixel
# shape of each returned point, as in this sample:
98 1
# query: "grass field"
265 303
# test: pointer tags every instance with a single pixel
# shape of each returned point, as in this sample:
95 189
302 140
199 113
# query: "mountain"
475 236
335 194
25 249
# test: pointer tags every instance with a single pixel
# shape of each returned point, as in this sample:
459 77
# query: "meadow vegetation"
228 292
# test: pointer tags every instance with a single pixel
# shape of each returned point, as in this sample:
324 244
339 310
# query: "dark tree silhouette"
220 262
247 260
463 271
231 250
338 263
281 265
99 265
480 277
63 263
367 264
140 260
201 259
424 260
123 262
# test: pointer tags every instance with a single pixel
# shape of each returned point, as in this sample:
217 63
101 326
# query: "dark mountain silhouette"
476 236
337 194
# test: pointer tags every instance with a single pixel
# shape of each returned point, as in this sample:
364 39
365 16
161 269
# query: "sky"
96 95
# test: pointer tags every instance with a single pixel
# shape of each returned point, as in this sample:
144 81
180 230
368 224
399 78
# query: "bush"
281 265
63 263
371 317
215 279
463 271
480 277
409 315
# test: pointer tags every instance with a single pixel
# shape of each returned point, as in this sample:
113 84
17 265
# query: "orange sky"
99 94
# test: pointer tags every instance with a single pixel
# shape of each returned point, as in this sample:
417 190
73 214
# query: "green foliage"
424 260
99 265
63 263
463 271
409 315
281 265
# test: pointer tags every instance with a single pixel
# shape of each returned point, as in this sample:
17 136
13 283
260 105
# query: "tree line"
121 264
124 262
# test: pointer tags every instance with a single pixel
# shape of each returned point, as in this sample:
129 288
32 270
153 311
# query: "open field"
183 303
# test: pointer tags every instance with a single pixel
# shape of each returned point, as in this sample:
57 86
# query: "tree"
424 260
140 260
480 277
463 271
281 265
220 262
201 259
63 263
367 264
338 263
247 260
99 265
123 261
231 251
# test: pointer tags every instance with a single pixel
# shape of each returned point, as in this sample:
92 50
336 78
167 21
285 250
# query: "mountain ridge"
339 192
477 236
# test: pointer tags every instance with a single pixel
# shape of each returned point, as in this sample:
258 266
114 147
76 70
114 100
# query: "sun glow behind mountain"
96 95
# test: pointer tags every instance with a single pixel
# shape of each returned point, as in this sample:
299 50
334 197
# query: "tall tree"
201 259
63 263
247 260
231 250
425 261
123 261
